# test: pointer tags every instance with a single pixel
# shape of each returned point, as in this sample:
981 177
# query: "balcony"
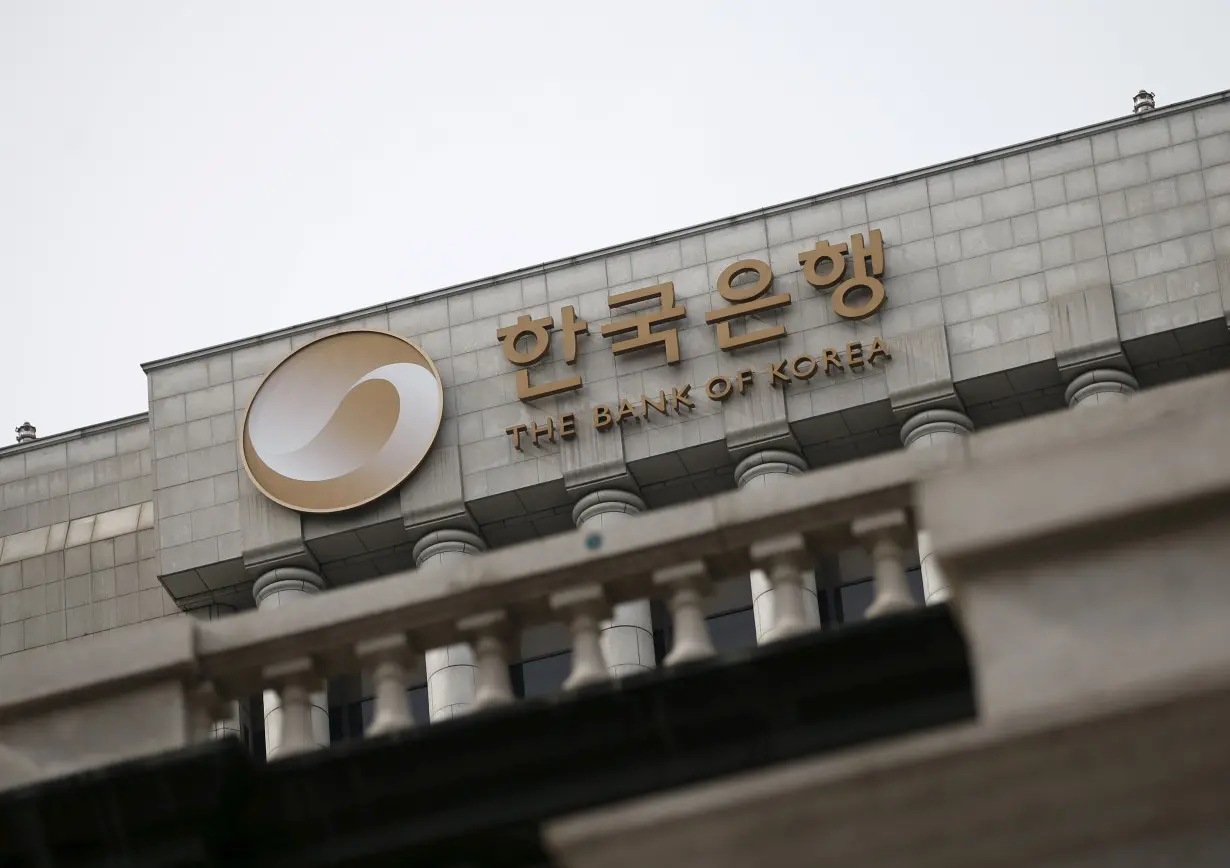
1076 681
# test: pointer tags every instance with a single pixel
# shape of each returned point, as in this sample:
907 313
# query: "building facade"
902 313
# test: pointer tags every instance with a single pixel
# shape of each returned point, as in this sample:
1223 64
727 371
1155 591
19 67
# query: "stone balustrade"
1084 551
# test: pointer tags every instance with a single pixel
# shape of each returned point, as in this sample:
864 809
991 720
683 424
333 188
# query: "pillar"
1100 386
285 586
451 671
768 469
926 430
627 638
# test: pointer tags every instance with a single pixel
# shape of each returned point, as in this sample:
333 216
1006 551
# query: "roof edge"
648 241
75 434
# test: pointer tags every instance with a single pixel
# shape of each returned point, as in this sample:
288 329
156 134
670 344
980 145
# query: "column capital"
603 501
447 540
1099 382
286 578
769 461
934 421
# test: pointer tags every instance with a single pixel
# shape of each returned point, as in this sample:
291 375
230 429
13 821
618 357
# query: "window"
541 676
732 631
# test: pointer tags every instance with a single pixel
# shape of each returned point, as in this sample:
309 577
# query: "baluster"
883 535
489 632
783 559
388 658
293 680
584 606
687 584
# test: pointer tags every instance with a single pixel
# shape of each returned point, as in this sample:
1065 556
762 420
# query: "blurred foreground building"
883 527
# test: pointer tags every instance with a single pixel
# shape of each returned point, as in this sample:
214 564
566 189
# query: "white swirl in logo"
342 421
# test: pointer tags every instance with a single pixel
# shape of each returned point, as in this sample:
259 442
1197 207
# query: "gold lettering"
777 376
719 388
625 411
680 396
539 333
643 323
568 426
863 277
831 358
743 378
825 265
602 417
854 355
659 405
833 254
745 301
878 348
548 429
803 367
516 431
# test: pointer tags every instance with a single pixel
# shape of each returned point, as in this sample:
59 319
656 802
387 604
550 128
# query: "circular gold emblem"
342 421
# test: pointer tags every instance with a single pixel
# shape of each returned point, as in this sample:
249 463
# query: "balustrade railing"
1022 517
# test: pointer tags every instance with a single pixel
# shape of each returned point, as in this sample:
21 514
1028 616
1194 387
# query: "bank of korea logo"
341 421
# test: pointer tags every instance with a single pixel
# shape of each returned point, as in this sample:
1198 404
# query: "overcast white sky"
177 174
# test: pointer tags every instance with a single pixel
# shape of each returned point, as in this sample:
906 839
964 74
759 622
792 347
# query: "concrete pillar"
1100 386
238 710
925 430
285 586
770 468
451 671
627 638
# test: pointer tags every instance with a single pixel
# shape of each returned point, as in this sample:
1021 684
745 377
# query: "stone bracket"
920 375
433 498
1085 331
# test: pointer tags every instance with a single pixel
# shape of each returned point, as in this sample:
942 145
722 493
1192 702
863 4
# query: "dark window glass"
545 675
419 707
916 586
733 630
854 599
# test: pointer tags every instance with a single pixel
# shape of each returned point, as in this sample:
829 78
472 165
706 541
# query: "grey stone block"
1214 150
1145 136
956 215
94 501
1173 161
1008 202
1156 228
973 180
575 280
419 317
133 438
1068 218
177 379
167 412
1120 174
737 240
655 260
209 402
46 459
94 447
897 199
1061 158
460 309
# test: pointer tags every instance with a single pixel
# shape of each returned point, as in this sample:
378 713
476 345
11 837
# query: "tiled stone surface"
982 250
77 546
